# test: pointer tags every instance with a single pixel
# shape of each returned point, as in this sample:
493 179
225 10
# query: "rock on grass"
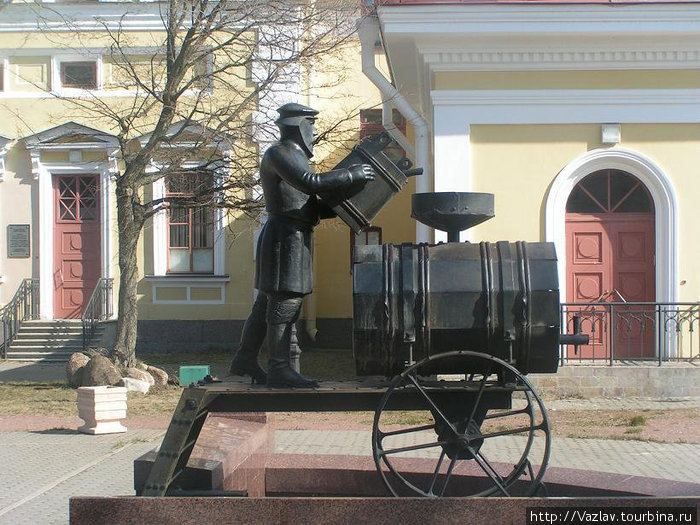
100 372
159 375
74 369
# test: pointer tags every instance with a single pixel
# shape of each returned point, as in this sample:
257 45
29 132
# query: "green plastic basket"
193 373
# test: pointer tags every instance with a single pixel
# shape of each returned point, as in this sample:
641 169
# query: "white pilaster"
452 154
160 238
46 211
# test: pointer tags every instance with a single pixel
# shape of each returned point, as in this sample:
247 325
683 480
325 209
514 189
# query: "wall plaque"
18 241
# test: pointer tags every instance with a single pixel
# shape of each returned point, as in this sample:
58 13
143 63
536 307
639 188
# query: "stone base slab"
231 454
335 475
336 511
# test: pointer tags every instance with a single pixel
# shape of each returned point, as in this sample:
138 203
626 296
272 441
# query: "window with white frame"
78 74
190 223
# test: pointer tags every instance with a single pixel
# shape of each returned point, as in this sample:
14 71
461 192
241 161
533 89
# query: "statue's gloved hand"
361 173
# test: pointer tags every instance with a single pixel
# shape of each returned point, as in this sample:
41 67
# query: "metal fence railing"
23 306
633 331
99 308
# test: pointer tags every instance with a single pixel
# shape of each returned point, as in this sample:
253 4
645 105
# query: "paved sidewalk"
623 403
31 371
672 461
43 469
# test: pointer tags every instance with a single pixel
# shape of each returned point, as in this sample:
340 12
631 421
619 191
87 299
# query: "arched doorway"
610 257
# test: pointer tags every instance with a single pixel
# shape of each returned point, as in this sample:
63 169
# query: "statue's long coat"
285 245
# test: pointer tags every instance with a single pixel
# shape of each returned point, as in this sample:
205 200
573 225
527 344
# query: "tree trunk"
130 226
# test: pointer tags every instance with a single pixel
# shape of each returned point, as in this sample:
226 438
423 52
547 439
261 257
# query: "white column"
219 242
451 149
105 222
46 268
160 235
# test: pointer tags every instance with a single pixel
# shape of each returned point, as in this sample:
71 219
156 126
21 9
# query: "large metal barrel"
412 301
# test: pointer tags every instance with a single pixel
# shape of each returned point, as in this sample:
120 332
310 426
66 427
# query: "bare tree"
198 98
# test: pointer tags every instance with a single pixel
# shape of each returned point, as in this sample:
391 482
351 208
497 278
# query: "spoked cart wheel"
479 432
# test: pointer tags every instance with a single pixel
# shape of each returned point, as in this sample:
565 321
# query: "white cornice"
567 19
552 106
29 17
86 51
130 16
421 40
561 59
566 96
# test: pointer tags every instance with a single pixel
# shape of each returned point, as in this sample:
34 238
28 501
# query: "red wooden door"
634 279
610 258
76 243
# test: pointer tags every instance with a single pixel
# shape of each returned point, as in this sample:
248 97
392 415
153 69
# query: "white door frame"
665 211
44 173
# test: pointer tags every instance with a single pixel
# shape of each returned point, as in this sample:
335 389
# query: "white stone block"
135 385
102 408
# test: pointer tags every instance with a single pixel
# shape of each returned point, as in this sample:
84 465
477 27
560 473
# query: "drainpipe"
368 30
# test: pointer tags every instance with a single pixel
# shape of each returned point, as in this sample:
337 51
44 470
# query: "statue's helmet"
296 122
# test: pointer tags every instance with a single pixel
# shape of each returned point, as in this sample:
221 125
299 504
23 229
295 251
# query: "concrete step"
37 332
47 341
50 332
45 353
34 334
32 339
43 327
56 356
50 324
73 347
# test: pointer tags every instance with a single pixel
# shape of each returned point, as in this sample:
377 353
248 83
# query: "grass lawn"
57 399
324 365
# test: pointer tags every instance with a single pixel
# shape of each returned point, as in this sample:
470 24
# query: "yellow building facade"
555 108
59 160
581 118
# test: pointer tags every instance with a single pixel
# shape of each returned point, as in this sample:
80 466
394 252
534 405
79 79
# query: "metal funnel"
451 211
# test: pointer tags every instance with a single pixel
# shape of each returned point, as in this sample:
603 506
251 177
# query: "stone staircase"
48 340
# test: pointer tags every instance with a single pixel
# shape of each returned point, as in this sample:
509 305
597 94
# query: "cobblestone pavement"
43 469
673 461
623 403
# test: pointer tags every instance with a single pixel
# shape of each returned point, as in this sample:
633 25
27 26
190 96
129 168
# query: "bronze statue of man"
285 246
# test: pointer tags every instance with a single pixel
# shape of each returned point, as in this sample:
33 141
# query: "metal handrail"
98 308
669 330
24 305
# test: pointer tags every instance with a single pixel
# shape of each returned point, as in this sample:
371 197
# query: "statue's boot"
280 373
245 363
245 360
